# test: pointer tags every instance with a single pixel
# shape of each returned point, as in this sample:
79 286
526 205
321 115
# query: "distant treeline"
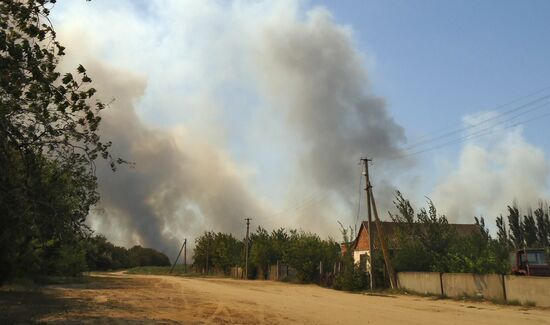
103 255
300 250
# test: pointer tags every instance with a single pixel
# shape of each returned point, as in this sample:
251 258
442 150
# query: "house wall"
362 239
357 256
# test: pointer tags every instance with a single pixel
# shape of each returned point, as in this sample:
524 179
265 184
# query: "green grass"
164 270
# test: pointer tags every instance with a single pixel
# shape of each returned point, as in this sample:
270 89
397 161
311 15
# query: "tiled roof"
391 232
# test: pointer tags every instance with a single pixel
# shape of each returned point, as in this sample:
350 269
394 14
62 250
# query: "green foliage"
48 146
429 243
102 255
217 251
352 277
531 230
514 224
306 250
543 226
300 250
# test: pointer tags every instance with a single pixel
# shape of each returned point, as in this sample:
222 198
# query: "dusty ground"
136 299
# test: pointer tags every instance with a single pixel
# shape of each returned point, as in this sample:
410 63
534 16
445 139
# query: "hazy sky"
263 108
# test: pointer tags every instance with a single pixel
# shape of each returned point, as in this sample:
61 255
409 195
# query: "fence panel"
420 282
528 289
488 286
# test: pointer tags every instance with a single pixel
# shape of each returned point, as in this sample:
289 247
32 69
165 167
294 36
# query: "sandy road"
120 298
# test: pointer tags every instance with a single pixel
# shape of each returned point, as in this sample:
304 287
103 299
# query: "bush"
351 277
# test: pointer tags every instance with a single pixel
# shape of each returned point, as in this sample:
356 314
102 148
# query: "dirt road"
135 299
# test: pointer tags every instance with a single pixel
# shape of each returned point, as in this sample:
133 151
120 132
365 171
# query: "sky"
262 109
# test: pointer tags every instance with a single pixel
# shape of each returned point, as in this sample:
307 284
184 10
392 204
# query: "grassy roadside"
179 270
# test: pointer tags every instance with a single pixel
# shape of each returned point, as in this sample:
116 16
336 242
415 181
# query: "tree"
543 226
352 277
48 140
217 251
529 228
516 231
262 250
502 234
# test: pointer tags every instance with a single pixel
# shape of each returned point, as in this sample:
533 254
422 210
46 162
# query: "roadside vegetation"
426 241
302 251
49 147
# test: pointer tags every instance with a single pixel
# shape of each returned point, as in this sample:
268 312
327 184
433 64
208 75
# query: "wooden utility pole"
246 248
382 239
369 222
177 257
185 256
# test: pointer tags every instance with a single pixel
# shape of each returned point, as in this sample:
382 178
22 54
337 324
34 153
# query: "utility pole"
369 223
173 266
382 239
207 248
185 256
246 248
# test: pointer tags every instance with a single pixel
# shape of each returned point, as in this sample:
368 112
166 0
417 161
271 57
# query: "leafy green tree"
429 243
502 234
262 250
217 251
48 142
306 251
514 224
543 226
529 228
351 276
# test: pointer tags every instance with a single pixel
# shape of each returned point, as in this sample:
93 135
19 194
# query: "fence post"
503 278
441 283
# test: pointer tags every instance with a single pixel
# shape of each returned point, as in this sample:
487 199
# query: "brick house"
360 246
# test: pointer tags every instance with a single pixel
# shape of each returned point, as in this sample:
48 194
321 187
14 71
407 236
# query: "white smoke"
491 173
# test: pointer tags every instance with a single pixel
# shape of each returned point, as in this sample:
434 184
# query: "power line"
476 135
523 109
472 126
516 100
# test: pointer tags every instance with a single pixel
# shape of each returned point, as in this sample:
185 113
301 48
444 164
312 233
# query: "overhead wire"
522 109
434 136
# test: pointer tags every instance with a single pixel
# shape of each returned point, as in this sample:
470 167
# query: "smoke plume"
312 73
180 184
491 174
207 96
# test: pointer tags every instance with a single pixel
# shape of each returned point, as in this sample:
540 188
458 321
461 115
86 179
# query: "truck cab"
530 262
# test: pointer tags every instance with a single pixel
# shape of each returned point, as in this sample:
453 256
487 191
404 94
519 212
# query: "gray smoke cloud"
307 72
314 75
180 185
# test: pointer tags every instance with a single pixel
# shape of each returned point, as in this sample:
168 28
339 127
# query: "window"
534 258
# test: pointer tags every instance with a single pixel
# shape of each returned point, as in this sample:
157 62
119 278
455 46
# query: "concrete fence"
428 283
488 286
526 289
523 289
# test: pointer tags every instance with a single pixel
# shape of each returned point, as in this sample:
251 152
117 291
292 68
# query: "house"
360 246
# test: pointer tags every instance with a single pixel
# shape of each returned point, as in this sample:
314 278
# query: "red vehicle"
530 261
